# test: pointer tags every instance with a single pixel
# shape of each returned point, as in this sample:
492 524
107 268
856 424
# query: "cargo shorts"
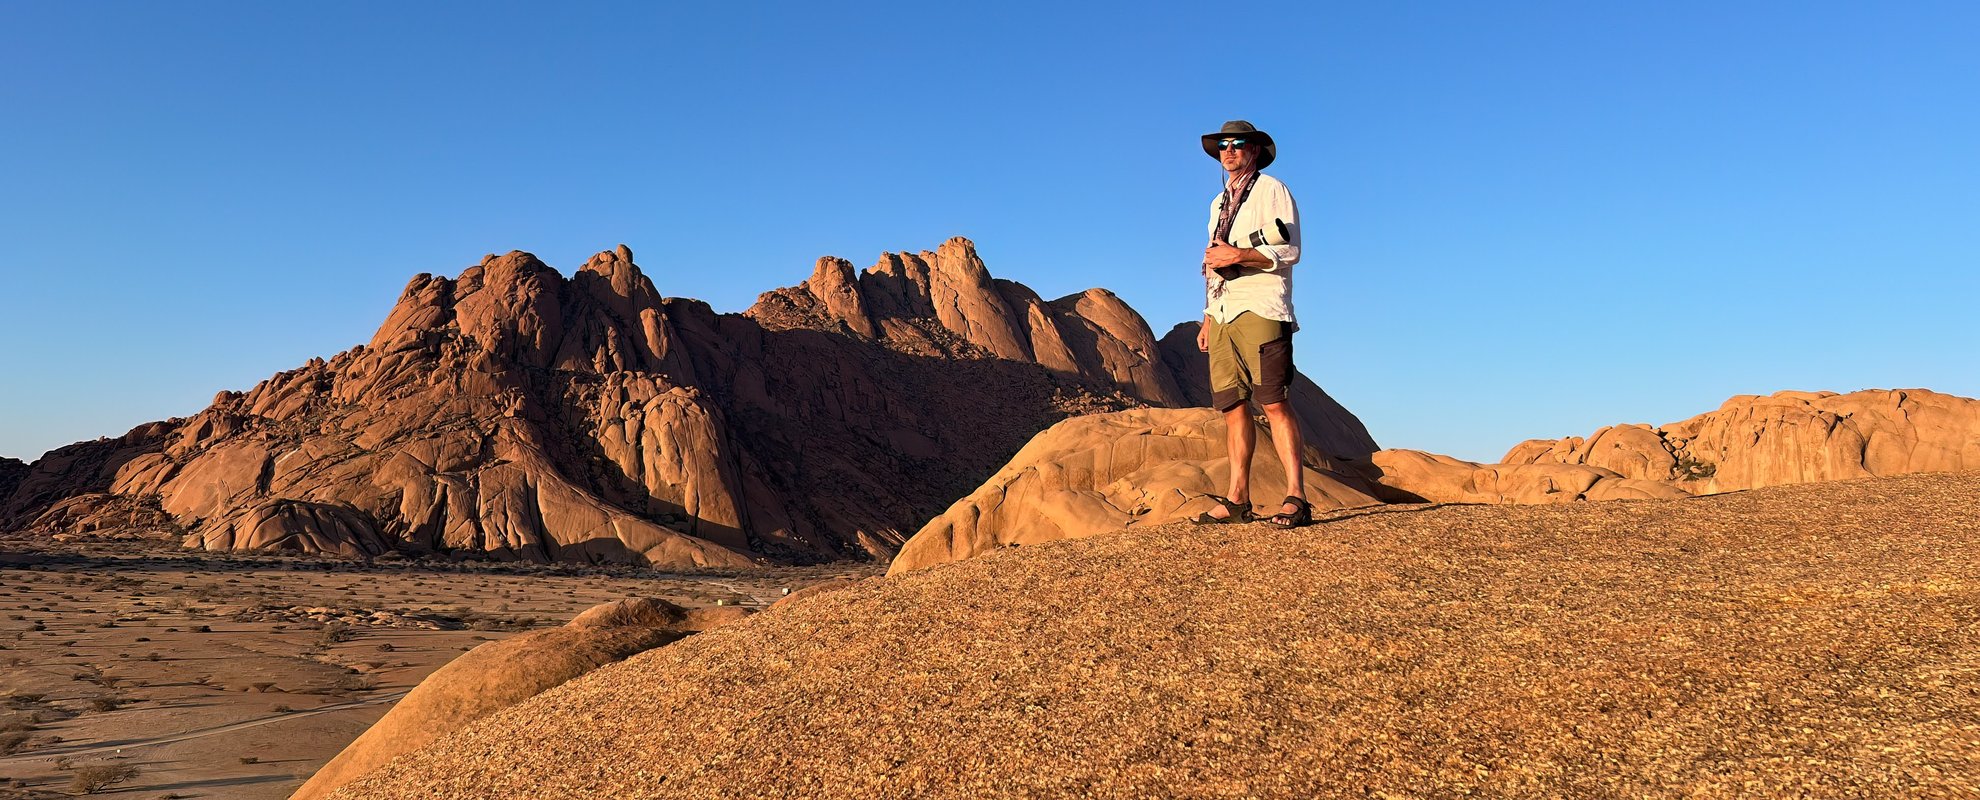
1250 359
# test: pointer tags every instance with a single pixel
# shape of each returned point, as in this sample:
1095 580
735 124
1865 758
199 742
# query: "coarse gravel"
1819 640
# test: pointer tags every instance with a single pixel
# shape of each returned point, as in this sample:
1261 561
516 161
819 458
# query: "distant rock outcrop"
500 674
1783 438
1750 442
1413 476
1106 472
512 412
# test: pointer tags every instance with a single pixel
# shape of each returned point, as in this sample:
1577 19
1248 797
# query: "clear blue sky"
1522 219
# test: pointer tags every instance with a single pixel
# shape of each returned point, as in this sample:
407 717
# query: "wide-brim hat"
1239 129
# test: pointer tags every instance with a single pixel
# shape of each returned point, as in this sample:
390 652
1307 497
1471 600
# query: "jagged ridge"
512 412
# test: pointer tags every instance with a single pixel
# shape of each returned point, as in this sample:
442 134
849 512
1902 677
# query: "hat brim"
1271 148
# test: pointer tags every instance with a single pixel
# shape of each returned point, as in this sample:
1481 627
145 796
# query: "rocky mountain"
12 470
513 412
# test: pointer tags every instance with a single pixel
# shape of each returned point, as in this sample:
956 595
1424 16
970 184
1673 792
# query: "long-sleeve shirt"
1265 291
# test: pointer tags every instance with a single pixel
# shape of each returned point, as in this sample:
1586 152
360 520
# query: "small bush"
11 742
250 759
335 633
356 683
105 703
97 777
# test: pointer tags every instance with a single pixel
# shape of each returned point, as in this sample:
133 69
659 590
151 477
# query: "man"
1248 321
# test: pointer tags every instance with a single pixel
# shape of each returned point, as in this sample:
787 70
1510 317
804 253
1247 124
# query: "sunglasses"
1229 144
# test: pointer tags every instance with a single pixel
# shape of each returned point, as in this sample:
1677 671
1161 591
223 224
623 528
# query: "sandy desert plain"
237 675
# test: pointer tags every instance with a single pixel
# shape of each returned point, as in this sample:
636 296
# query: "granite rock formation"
1783 438
1107 472
512 412
1797 641
500 674
12 470
1413 476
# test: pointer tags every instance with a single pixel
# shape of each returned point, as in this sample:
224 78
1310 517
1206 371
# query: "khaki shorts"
1250 358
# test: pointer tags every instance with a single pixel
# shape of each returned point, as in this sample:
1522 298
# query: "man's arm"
1225 254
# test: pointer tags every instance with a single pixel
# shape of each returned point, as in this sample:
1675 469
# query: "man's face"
1239 157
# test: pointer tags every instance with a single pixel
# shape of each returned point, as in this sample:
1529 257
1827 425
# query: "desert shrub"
334 633
105 703
250 759
97 777
1690 468
11 742
356 683
19 722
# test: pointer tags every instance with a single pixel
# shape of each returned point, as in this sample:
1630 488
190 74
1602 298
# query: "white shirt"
1265 291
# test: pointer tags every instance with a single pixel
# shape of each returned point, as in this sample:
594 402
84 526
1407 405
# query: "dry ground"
237 676
1808 641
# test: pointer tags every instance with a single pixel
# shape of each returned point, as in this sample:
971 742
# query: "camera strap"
1227 216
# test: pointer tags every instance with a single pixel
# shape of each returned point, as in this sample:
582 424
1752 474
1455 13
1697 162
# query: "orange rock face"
1412 476
1107 472
500 674
512 412
1783 438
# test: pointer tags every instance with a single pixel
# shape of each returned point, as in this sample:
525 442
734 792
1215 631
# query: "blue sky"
1522 219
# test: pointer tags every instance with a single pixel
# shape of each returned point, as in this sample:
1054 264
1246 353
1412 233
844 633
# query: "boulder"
1106 472
500 674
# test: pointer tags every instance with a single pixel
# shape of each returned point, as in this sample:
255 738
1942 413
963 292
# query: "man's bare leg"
1240 439
1286 440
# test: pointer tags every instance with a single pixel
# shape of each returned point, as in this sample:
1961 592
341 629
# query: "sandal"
1238 512
1297 519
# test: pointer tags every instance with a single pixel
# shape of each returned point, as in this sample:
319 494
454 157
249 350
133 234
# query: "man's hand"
1221 254
1202 338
